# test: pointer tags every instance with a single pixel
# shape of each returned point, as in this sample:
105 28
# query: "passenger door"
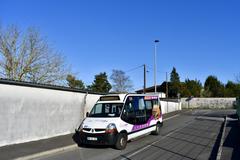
134 111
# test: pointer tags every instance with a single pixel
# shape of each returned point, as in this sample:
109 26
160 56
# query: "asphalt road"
191 135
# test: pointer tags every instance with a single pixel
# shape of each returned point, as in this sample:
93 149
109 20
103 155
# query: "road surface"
190 135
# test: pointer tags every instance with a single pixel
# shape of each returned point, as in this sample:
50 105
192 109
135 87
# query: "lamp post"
155 64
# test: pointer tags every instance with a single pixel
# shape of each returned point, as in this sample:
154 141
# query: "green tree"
213 87
75 83
184 91
121 82
238 78
163 86
100 83
192 88
174 77
232 89
174 88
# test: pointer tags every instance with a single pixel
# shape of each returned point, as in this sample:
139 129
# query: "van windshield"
106 110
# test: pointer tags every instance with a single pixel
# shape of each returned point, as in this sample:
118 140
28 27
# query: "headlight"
80 128
111 128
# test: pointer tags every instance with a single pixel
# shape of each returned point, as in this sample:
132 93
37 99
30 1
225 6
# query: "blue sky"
198 37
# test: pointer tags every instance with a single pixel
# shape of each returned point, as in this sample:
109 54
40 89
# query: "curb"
219 154
45 153
211 118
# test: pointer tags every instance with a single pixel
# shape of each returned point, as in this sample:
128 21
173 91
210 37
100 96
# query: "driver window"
134 110
128 114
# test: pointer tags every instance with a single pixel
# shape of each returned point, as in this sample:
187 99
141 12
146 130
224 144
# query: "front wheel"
157 130
121 142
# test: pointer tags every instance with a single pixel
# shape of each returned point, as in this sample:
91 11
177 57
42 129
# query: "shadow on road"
216 146
231 145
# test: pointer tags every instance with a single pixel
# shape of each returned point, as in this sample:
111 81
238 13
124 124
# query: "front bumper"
101 138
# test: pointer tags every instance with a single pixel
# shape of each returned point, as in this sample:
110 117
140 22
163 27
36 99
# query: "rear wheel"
121 142
157 130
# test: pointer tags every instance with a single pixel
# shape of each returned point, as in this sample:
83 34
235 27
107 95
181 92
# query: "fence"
170 105
212 103
32 112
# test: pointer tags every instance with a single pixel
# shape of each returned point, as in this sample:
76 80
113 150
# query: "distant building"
152 90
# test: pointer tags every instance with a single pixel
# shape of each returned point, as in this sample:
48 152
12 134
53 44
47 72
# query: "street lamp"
155 65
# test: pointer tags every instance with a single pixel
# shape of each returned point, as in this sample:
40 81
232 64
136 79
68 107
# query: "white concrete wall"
170 106
28 113
213 103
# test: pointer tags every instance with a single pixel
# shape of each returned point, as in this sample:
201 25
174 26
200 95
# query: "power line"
151 68
135 68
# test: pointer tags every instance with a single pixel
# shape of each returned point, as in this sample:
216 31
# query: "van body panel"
138 116
93 122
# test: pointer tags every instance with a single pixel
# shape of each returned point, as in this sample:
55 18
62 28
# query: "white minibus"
117 118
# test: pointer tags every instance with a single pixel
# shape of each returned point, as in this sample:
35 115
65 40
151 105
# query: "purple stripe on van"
141 126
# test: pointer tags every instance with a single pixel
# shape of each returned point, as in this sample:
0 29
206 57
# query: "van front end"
100 131
97 136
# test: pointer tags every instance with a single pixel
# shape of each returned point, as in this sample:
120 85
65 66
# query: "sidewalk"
46 146
30 148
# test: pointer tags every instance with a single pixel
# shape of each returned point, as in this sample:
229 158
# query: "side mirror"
87 114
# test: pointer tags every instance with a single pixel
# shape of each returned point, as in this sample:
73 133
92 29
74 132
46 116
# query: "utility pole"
144 77
166 84
155 65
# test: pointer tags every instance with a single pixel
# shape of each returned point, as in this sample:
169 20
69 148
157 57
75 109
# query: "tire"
157 130
121 141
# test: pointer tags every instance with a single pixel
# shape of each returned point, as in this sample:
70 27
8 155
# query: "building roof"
149 89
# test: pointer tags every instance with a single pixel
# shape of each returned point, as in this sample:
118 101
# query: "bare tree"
238 78
28 57
121 82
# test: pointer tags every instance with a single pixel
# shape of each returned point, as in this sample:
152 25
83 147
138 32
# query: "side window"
149 107
141 104
129 106
148 104
156 111
128 114
140 110
159 104
134 110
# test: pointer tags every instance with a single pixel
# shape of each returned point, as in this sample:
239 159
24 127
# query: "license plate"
92 138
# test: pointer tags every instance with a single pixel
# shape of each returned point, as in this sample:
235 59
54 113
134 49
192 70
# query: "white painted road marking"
45 153
142 149
171 117
162 138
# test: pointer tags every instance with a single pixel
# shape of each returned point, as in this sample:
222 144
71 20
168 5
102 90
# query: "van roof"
121 97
